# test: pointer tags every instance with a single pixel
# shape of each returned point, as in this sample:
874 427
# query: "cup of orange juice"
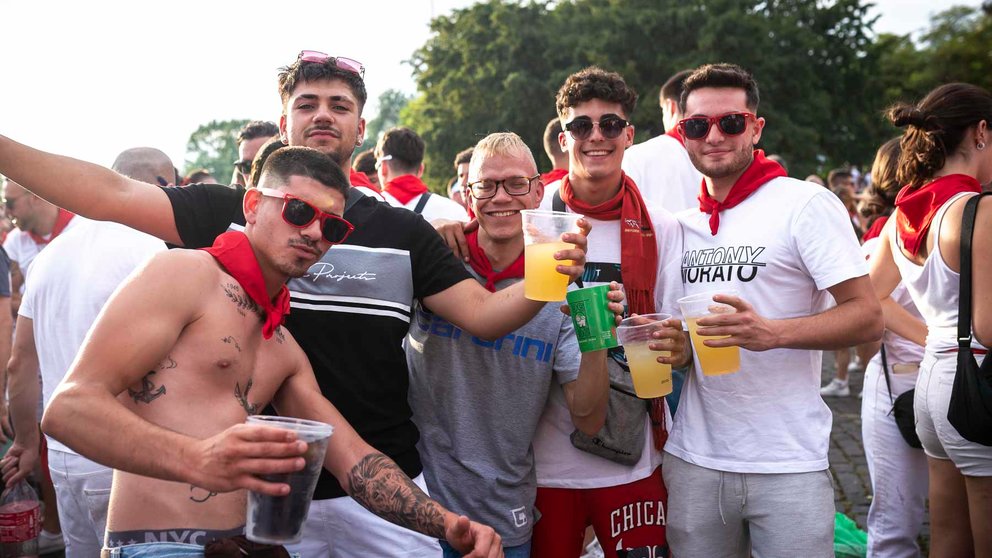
542 238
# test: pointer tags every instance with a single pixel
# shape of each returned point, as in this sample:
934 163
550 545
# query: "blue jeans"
519 551
157 550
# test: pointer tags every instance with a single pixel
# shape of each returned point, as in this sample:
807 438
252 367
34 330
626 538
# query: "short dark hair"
835 176
672 89
406 148
879 199
595 83
257 129
258 163
307 162
551 133
364 162
721 75
301 71
464 156
936 126
199 175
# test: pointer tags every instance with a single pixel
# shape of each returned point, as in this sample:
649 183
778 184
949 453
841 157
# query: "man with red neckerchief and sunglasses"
351 310
167 408
746 462
639 248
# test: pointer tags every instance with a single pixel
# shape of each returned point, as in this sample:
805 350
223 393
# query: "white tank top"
934 287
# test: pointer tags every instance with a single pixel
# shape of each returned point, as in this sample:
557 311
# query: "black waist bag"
970 409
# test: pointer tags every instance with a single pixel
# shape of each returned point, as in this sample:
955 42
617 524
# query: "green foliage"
824 75
213 146
391 104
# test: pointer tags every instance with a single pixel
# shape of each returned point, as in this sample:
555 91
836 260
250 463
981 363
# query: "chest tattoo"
241 299
230 340
148 392
250 408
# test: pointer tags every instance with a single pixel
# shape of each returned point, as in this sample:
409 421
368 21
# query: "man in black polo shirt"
350 312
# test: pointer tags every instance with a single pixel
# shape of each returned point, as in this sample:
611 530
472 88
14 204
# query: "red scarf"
638 250
481 264
875 229
917 207
405 188
674 132
359 179
760 171
61 222
233 252
553 175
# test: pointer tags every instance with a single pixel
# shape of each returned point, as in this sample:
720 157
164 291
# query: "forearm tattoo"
382 487
200 495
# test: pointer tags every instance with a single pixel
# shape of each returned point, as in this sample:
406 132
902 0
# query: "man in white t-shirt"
628 243
57 312
660 166
400 162
746 463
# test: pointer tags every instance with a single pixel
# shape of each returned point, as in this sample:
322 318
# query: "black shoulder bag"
902 409
970 409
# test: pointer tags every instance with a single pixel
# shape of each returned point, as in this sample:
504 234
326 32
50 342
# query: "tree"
391 103
213 146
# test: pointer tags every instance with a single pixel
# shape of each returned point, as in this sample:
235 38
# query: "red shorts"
629 519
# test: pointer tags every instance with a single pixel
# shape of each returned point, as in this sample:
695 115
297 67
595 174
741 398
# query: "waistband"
180 535
973 351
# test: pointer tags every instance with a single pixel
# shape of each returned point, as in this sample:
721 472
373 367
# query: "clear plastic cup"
542 238
651 378
713 361
279 519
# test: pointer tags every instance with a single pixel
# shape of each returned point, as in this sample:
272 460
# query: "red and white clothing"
22 248
664 173
781 248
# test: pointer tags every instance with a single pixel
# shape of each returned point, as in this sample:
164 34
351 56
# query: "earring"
981 145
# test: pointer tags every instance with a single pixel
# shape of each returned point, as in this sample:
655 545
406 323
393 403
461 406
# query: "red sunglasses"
347 64
300 213
731 124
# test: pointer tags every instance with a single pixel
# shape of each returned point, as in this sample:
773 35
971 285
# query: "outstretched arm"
90 190
86 415
373 479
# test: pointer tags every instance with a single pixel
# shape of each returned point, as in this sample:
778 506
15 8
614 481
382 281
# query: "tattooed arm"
132 338
374 480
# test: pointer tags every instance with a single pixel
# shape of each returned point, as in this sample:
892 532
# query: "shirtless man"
172 368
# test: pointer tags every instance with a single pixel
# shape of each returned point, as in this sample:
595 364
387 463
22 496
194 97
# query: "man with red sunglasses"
639 248
746 463
351 310
166 408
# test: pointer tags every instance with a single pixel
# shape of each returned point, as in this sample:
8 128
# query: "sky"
91 78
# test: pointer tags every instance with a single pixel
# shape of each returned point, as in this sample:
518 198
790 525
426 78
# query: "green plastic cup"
594 322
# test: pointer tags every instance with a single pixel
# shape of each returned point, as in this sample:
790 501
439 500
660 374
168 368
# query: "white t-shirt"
71 281
781 248
23 249
559 464
437 207
663 173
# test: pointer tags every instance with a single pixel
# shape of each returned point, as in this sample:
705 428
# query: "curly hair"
595 83
879 199
936 127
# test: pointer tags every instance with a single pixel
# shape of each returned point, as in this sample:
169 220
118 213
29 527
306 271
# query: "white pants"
898 472
82 489
342 528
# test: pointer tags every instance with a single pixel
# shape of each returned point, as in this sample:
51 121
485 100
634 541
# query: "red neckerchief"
875 229
481 264
405 188
638 250
359 179
918 206
233 252
61 222
553 175
674 132
757 175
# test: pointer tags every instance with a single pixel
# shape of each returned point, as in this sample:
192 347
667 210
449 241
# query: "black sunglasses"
300 214
243 166
731 124
611 126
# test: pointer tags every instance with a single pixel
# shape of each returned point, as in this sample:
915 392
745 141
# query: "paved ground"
847 456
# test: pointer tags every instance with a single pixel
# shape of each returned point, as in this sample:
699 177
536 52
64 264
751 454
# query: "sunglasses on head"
731 124
611 126
300 214
347 64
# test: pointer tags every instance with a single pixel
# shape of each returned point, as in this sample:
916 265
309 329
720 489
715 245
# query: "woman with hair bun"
946 156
